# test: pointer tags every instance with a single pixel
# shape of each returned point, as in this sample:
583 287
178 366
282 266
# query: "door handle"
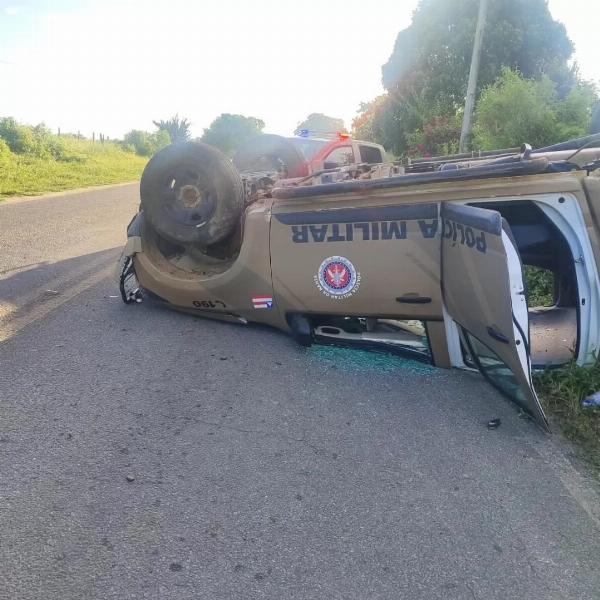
413 299
497 335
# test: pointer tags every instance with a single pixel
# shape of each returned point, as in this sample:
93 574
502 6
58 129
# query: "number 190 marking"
209 304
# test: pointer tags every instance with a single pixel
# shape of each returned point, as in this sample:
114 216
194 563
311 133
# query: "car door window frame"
348 148
369 148
498 241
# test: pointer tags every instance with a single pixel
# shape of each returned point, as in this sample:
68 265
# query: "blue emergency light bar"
306 133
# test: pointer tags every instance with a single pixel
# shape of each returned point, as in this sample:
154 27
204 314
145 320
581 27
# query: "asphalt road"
258 469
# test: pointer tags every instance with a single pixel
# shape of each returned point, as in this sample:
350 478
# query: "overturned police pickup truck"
425 258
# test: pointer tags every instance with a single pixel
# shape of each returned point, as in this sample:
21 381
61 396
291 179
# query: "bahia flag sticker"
262 301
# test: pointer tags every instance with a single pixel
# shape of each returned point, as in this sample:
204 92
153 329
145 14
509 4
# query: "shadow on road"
32 291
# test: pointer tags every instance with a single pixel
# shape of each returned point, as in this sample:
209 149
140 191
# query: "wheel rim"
188 197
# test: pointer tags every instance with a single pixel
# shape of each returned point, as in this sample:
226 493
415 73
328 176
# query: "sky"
109 66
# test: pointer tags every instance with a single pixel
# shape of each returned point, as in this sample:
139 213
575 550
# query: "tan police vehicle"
424 259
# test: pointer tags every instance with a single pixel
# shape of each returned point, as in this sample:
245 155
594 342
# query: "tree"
320 123
378 121
178 129
434 52
392 122
426 75
516 110
228 131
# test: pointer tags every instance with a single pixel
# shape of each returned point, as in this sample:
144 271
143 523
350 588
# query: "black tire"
269 152
192 194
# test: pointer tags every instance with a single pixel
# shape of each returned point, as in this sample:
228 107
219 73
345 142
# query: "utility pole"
467 124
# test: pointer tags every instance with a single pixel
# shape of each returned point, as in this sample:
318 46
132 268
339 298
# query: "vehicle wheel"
268 152
192 194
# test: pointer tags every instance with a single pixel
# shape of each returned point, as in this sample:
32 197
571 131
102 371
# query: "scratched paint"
356 360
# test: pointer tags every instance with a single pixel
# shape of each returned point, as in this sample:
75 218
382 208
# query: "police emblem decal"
337 278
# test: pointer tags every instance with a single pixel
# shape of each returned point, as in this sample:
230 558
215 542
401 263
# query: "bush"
540 286
35 141
19 138
32 141
574 114
516 110
438 137
5 154
144 143
4 149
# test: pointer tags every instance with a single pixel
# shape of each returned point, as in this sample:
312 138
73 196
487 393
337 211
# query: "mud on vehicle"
423 259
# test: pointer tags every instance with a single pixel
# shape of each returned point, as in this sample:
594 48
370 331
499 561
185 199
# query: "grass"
87 164
540 286
561 392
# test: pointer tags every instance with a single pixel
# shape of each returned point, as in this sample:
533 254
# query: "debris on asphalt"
357 360
493 423
130 478
51 292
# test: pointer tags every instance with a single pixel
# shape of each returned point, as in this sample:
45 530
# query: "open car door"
483 289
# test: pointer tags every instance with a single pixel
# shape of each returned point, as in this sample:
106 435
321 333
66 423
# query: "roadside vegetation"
528 89
34 161
561 392
540 286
